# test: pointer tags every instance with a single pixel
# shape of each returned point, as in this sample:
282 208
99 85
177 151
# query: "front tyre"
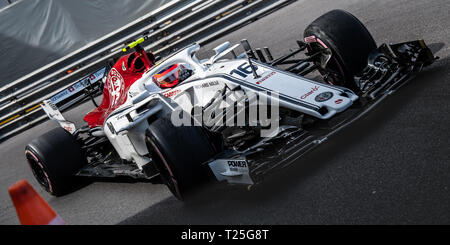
349 41
54 158
178 153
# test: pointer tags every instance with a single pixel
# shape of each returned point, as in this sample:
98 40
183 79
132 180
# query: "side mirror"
219 49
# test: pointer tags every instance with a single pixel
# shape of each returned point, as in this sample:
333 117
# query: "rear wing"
20 119
87 87
54 114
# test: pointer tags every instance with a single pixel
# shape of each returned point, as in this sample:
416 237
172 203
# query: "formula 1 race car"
234 117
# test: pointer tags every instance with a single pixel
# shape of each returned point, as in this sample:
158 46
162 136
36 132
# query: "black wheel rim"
162 165
333 69
38 171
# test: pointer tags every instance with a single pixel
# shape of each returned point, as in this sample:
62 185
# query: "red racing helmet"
172 75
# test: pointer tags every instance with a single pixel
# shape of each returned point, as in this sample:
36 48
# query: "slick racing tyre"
178 153
54 158
349 41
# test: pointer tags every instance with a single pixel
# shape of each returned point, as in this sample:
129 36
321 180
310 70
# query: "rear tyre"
54 158
349 41
178 153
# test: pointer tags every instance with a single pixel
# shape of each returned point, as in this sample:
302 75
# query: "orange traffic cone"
31 208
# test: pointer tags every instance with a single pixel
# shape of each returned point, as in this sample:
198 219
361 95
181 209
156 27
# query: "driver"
171 76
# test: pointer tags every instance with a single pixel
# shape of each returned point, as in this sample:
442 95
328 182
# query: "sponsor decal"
322 97
338 101
124 68
132 94
266 77
172 93
58 97
67 92
314 89
237 163
207 85
68 128
78 86
223 170
115 86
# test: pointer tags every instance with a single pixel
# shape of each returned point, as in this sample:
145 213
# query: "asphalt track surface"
391 167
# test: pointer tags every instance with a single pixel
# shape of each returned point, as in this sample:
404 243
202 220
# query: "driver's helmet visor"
168 77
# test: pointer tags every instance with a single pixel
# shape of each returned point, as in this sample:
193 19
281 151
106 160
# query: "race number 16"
243 70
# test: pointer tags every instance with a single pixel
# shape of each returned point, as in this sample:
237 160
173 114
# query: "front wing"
389 68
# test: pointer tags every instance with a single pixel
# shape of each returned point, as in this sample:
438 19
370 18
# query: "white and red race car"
232 117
